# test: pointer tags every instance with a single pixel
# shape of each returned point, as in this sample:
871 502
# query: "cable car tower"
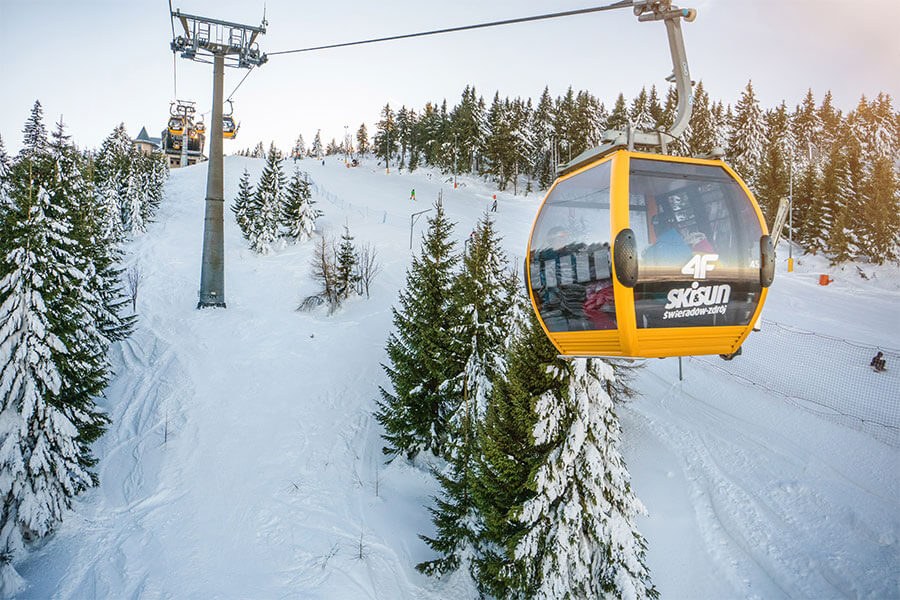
222 44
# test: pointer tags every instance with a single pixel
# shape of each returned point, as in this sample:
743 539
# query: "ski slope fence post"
827 376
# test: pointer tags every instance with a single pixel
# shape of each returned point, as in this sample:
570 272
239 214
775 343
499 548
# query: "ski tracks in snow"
776 516
98 554
332 494
148 392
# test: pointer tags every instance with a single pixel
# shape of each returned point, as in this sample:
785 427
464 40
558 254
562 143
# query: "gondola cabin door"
645 255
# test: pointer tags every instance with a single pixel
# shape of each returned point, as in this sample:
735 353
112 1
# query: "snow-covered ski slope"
243 460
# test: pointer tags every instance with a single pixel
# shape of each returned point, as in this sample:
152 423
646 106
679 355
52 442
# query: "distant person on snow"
878 362
412 194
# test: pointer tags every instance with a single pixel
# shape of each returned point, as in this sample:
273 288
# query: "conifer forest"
841 167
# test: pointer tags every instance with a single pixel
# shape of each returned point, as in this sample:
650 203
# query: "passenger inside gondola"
670 248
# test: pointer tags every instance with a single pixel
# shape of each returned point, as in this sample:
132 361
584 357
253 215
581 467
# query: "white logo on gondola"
700 265
694 296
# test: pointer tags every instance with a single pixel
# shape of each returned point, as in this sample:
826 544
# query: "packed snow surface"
243 460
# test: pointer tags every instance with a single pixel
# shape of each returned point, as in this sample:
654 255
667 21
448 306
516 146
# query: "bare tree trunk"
369 267
134 283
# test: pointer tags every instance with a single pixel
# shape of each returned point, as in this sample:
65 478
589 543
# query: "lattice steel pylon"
222 44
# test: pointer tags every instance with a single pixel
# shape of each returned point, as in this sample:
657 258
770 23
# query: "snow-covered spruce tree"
701 136
298 216
806 206
98 228
29 462
132 201
484 299
97 231
34 134
299 149
882 128
500 143
618 117
362 140
520 129
46 416
107 200
241 205
433 126
414 409
509 456
807 128
468 125
544 140
828 222
580 538
594 116
482 296
745 143
264 215
318 149
112 171
128 182
415 153
773 177
878 220
155 171
405 124
346 276
881 208
563 124
80 314
455 517
5 162
847 228
721 117
832 121
5 166
639 114
385 143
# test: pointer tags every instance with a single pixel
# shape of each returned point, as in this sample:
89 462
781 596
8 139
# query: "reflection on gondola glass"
698 242
569 262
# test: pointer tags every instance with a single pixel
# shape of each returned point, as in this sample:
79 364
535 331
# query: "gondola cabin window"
697 236
569 261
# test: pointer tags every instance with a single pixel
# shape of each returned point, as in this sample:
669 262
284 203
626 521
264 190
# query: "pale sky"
101 62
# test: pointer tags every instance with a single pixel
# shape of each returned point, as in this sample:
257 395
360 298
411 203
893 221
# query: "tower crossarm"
204 37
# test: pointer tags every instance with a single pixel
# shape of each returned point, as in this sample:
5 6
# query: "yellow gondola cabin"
176 125
646 255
